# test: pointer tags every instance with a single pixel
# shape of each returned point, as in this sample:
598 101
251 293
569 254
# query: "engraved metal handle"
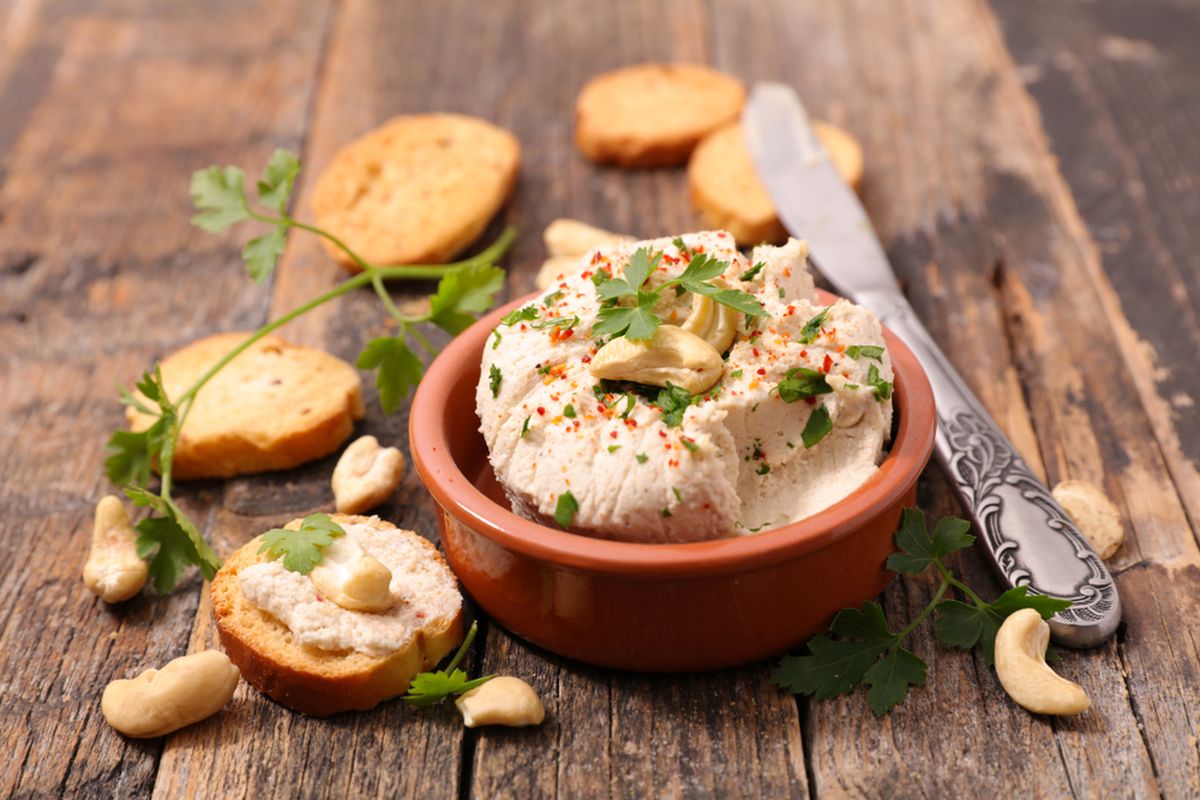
1027 535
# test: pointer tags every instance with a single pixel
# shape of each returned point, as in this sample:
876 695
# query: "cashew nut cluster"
566 241
711 321
114 571
352 579
366 475
1098 518
160 701
501 701
1021 666
672 355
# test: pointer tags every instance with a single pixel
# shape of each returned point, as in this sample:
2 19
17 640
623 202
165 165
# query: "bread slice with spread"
309 653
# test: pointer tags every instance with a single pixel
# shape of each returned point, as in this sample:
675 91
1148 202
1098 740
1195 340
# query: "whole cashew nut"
672 355
1021 666
501 701
711 321
160 701
113 570
366 475
352 579
1097 517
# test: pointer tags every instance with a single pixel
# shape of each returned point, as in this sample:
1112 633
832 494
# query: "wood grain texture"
1067 299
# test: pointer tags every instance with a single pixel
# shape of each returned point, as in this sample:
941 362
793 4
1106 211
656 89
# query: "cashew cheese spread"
422 589
789 415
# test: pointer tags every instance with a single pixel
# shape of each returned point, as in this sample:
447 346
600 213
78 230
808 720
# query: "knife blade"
1027 536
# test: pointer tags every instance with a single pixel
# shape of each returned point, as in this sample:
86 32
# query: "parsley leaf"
170 541
279 176
399 369
462 293
890 677
638 323
962 625
818 426
802 382
919 549
811 328
752 273
428 688
302 550
494 378
835 666
881 388
261 254
865 350
672 402
523 314
219 195
569 411
642 458
525 427
564 511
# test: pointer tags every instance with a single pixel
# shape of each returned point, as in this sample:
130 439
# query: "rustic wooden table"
1031 167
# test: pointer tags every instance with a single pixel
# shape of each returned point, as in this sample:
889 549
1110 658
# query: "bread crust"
651 115
275 406
416 190
307 679
725 187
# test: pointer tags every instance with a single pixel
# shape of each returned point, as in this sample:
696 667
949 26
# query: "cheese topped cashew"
501 701
672 355
352 579
113 571
1021 666
160 701
713 322
366 475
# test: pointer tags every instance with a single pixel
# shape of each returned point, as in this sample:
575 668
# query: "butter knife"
1026 534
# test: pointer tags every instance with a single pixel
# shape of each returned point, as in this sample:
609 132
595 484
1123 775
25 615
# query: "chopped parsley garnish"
551 299
780 292
561 323
569 411
494 378
690 444
752 273
865 350
818 426
564 512
630 404
672 402
612 448
543 369
496 339
678 496
642 458
682 247
737 373
763 468
802 382
639 322
520 315
852 387
811 328
525 426
881 388
666 512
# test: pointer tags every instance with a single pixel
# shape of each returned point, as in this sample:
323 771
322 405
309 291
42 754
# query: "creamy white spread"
737 462
423 589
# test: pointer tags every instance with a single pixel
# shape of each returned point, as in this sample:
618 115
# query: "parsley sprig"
863 650
465 289
628 302
302 549
428 688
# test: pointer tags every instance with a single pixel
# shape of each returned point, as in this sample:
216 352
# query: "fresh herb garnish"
865 350
666 512
630 404
763 469
678 496
569 411
737 373
818 426
428 688
494 378
690 444
862 649
495 338
525 426
560 323
564 511
811 328
639 322
672 402
612 448
523 314
551 299
168 538
881 388
801 383
302 549
752 273
642 458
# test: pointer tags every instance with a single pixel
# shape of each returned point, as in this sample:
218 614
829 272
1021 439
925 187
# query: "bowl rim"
458 495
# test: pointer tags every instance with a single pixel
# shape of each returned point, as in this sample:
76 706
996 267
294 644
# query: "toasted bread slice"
276 406
321 682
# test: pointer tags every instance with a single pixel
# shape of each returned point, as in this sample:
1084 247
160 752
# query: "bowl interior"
451 458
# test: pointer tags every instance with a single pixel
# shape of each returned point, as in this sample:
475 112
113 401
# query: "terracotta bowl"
656 607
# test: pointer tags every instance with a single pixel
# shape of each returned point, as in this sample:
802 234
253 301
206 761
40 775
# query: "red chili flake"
762 371
707 506
612 434
420 615
804 354
320 599
541 411
524 327
674 462
587 273
827 364
631 423
663 434
755 351
586 359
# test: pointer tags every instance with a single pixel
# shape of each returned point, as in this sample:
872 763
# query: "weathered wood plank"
101 272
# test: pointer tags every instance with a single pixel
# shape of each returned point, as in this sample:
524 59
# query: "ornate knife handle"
1028 537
